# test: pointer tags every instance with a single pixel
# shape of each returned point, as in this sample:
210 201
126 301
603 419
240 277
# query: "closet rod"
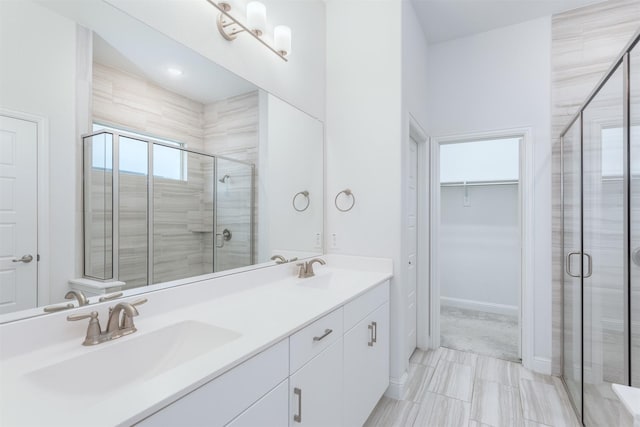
478 183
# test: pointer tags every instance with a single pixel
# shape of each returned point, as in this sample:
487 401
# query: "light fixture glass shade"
257 17
282 39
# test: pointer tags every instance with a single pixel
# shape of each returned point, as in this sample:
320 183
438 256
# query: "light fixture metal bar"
224 8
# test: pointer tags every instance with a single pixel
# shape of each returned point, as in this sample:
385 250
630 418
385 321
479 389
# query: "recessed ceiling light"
174 72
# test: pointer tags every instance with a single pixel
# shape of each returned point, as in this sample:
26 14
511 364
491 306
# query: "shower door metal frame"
115 196
575 120
621 61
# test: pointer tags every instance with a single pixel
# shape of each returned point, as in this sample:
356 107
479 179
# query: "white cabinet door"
270 411
366 366
18 215
315 391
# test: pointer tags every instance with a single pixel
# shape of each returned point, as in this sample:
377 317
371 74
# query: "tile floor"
455 388
479 332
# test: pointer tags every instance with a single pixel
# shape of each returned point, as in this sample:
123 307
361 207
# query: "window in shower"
167 162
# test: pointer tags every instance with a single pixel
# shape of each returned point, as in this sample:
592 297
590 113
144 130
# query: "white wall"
38 76
480 247
294 154
501 80
300 81
363 137
414 113
415 62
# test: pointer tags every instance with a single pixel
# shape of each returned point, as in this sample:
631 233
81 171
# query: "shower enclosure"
155 211
601 244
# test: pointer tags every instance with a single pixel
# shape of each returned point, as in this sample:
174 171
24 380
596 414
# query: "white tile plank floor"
455 388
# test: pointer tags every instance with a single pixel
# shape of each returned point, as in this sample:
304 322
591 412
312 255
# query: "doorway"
479 238
18 214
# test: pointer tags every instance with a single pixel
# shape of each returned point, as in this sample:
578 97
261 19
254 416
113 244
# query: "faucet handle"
54 308
93 331
302 269
74 317
139 302
110 297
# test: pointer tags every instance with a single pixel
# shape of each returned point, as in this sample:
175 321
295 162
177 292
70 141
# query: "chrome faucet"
116 327
79 296
305 269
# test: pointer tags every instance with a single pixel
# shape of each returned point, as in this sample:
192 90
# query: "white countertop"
263 312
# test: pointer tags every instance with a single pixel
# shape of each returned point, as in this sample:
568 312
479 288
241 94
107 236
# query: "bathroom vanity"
259 348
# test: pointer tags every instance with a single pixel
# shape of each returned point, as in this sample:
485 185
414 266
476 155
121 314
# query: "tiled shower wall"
231 130
585 42
183 222
132 102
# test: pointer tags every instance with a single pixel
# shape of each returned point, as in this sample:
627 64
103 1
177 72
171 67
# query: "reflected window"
612 155
167 161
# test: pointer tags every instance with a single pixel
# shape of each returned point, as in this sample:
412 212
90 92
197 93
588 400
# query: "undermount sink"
321 281
138 358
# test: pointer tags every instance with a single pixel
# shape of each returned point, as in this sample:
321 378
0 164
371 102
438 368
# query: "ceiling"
444 20
122 42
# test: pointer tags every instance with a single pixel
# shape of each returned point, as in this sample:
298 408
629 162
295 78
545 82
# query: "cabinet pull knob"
298 417
323 336
370 327
375 332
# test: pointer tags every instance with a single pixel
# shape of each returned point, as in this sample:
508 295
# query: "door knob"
25 258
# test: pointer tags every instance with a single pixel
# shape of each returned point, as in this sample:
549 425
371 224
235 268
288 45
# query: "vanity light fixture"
230 27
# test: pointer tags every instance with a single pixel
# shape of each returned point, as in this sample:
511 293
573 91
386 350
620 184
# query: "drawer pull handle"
323 336
370 343
298 417
375 332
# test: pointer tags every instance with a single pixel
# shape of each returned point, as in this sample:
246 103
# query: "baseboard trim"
541 365
487 307
397 387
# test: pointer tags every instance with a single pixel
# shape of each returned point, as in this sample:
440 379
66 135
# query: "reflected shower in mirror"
184 169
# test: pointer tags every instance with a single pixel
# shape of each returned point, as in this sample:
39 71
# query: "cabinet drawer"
220 400
270 411
310 341
357 309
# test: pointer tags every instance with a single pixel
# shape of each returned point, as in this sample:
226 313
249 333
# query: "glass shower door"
572 281
182 213
634 210
234 214
133 205
605 346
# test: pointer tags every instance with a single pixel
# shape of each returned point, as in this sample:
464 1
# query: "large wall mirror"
129 161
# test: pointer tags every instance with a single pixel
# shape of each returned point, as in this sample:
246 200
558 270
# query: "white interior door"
18 214
412 245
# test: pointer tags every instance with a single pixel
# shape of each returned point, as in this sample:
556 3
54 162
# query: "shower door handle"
589 265
635 256
225 236
567 263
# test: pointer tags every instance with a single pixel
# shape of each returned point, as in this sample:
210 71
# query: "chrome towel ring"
347 192
305 194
